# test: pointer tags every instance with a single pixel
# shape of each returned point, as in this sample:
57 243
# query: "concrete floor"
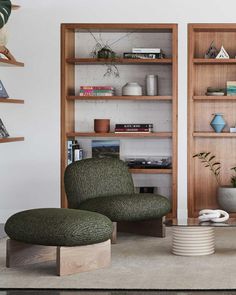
55 292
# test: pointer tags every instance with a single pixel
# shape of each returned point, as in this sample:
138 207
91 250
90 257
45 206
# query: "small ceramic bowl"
132 88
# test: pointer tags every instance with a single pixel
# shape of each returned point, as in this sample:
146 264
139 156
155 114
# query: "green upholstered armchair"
106 186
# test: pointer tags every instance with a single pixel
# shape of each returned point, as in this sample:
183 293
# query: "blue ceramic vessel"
218 122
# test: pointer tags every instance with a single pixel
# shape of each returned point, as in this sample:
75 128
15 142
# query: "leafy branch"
208 160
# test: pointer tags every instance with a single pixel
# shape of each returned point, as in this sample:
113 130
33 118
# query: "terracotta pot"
101 125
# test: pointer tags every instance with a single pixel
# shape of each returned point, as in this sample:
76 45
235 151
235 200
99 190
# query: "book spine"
148 125
96 88
146 50
96 94
96 91
133 130
142 55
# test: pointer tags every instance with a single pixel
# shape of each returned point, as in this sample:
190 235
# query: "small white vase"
132 88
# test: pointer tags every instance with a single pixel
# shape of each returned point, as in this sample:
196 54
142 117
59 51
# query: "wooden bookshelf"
8 63
212 98
203 61
72 62
125 61
11 139
203 73
124 134
150 171
121 97
11 100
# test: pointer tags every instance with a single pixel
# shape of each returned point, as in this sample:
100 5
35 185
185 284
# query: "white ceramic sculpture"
223 53
132 88
213 215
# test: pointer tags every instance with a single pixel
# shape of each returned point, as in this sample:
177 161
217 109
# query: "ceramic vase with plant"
226 195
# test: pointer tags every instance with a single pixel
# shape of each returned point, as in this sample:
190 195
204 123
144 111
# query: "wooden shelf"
149 171
214 134
7 62
209 98
11 100
144 97
15 6
111 134
11 139
201 61
79 61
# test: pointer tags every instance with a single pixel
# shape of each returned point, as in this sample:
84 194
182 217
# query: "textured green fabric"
92 178
5 11
132 207
58 227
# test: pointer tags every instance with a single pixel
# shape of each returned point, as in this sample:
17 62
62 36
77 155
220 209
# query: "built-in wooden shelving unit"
203 73
71 62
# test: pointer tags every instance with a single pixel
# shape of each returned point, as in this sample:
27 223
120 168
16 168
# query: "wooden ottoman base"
69 260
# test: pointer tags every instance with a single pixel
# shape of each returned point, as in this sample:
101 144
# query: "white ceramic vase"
132 88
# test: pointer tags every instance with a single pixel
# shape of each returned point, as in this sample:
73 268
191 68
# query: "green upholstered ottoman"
79 240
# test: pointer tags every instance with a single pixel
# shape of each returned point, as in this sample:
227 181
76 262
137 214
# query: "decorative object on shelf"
160 162
3 92
101 125
211 51
226 195
215 91
75 153
104 50
132 88
3 130
231 88
151 85
218 122
232 129
96 91
106 149
122 128
213 215
223 53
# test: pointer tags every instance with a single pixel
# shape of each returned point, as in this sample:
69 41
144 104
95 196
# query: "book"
3 130
96 94
96 91
146 50
231 88
132 130
3 92
106 149
133 125
74 152
96 88
142 55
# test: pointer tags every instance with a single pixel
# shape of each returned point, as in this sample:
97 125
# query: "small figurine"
223 53
212 51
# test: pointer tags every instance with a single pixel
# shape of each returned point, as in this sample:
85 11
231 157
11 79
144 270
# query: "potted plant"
226 195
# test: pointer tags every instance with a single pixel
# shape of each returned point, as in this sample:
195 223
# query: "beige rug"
138 262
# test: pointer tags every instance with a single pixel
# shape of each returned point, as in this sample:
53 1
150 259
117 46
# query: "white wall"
29 170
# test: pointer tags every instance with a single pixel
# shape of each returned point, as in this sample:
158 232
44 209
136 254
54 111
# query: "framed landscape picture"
106 149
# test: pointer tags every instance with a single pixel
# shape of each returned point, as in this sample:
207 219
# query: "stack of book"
138 128
144 53
96 91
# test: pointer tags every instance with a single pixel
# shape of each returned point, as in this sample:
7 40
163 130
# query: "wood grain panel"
20 254
83 258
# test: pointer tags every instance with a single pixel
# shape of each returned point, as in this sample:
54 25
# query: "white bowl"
132 88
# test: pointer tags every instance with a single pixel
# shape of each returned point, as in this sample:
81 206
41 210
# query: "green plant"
208 161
